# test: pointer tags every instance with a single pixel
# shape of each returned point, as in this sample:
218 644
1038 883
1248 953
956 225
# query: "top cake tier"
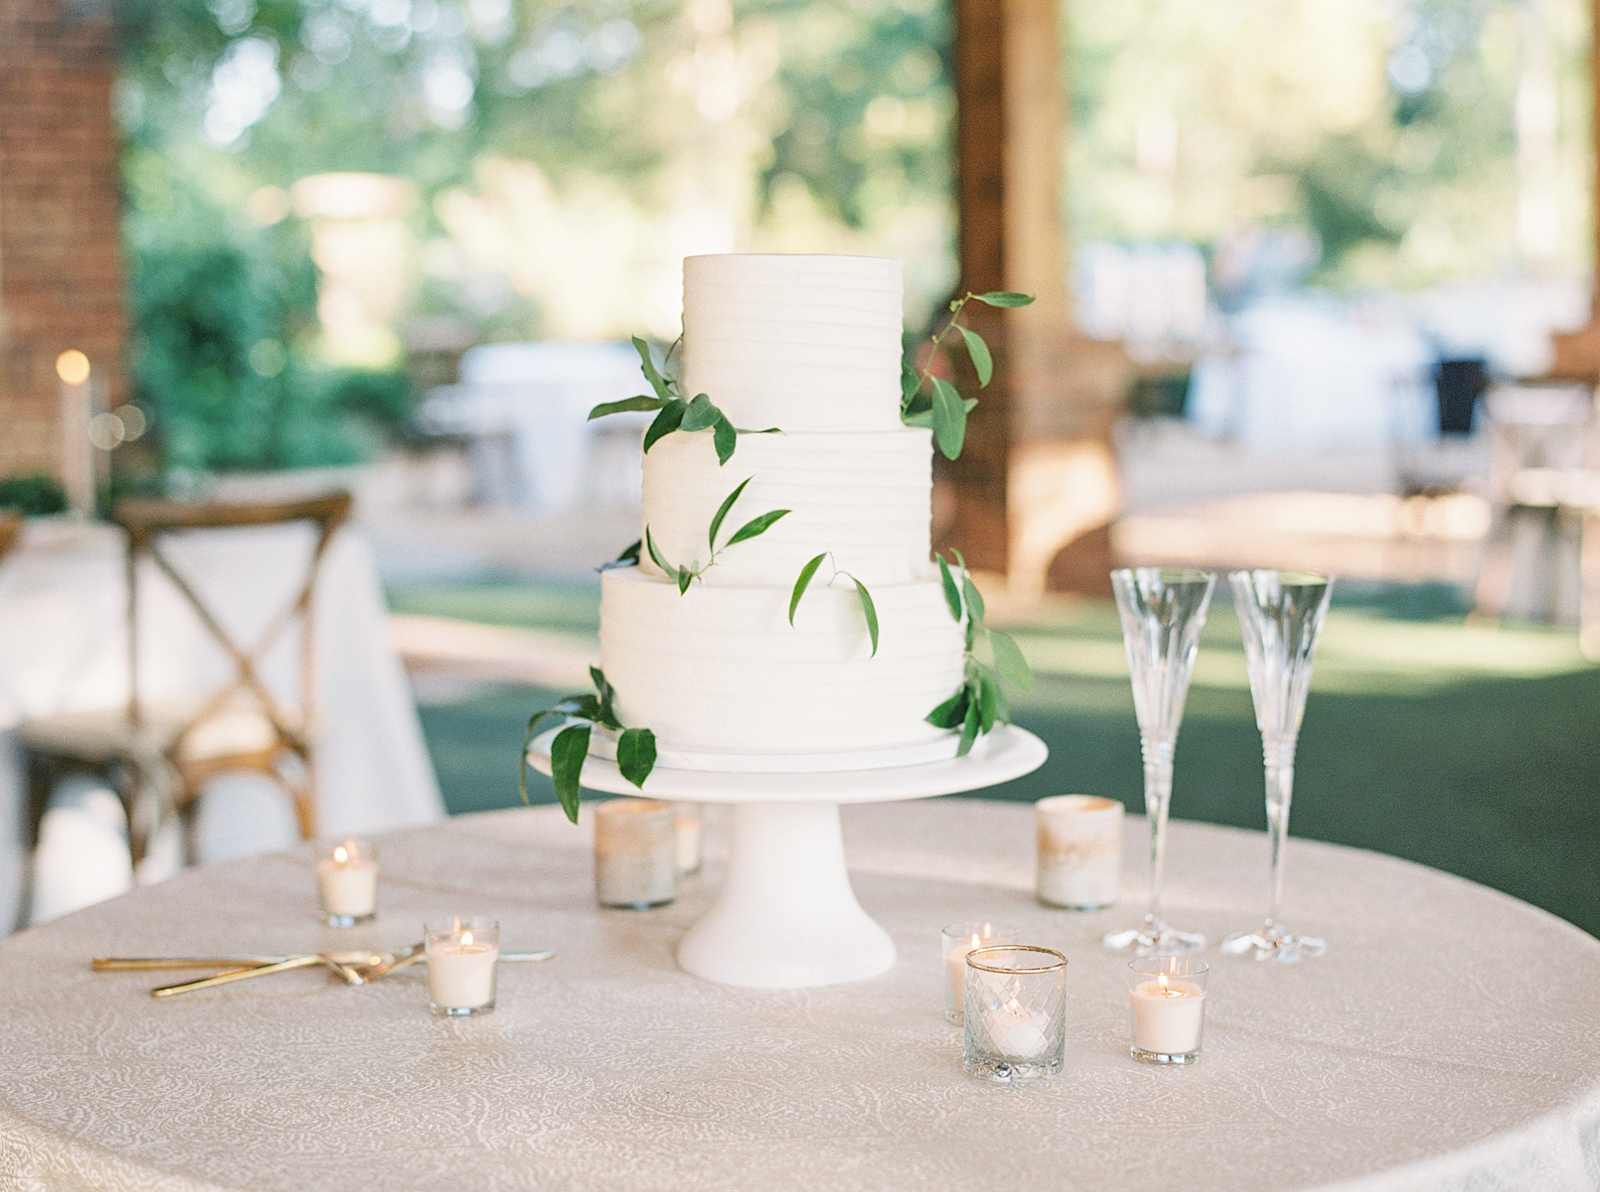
803 343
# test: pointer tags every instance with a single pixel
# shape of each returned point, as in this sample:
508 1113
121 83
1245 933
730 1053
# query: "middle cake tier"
863 497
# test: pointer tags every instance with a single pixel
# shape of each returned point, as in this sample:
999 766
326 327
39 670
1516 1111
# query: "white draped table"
63 647
1450 1040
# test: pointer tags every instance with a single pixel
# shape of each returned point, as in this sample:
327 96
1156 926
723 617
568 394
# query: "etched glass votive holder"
347 880
1016 1013
1080 851
635 853
463 955
957 940
1167 996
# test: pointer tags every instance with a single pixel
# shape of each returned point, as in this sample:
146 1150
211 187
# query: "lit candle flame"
1165 990
466 939
341 855
72 366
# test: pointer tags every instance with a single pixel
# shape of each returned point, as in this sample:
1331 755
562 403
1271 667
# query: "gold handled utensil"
240 974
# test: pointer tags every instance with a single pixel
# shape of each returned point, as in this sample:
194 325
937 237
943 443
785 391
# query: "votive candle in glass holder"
463 955
1167 995
347 879
1016 1013
1080 851
688 839
957 940
635 853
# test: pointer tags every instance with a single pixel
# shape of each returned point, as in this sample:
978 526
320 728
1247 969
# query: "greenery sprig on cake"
869 611
581 714
684 574
674 413
927 400
980 703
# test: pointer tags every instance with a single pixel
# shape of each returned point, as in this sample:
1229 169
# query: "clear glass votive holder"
1079 851
463 956
347 880
1167 997
957 940
1016 1013
635 853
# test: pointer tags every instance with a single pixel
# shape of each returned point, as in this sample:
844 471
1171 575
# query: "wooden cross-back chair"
163 755
10 529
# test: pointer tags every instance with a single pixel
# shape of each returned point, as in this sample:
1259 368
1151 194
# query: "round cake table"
1449 1040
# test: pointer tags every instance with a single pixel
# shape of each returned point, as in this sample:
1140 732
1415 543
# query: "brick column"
60 244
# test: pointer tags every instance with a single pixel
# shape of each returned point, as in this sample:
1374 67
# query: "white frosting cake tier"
863 496
804 343
720 668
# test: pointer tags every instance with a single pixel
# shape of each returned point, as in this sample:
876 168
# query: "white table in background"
63 647
1450 1039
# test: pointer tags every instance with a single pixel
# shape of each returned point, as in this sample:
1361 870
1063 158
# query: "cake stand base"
786 917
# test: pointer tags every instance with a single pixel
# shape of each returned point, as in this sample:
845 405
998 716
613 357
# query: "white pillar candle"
1168 1015
1079 851
347 877
463 955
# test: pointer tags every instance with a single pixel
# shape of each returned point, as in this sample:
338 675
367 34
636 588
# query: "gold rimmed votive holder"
1015 1020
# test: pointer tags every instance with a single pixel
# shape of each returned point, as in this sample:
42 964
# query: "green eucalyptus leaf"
988 702
801 583
685 576
628 558
571 705
910 384
589 707
982 362
950 713
756 525
725 437
670 418
922 418
969 728
952 594
636 754
700 414
648 366
975 609
949 418
1009 660
628 403
722 512
655 554
1004 298
604 711
870 612
568 752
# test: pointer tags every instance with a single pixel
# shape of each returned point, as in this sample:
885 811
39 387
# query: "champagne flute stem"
1279 756
1157 795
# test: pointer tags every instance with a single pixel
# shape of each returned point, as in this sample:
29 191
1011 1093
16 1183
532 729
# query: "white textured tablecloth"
63 647
1450 1040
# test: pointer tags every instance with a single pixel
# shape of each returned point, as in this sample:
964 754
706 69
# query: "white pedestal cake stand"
786 916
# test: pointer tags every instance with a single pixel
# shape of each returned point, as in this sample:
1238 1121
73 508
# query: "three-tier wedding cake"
809 345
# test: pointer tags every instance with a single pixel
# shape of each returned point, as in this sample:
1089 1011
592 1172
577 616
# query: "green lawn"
1461 746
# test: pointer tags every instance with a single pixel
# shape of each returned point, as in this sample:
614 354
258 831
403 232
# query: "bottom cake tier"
721 669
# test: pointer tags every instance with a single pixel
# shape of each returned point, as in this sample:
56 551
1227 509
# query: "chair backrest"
10 530
149 523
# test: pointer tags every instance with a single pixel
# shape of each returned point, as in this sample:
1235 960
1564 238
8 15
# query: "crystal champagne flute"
1280 615
1162 614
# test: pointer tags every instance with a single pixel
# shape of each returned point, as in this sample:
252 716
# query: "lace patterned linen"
1450 1040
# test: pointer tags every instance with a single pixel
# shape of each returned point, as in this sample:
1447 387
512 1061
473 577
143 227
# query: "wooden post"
1577 355
1036 473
